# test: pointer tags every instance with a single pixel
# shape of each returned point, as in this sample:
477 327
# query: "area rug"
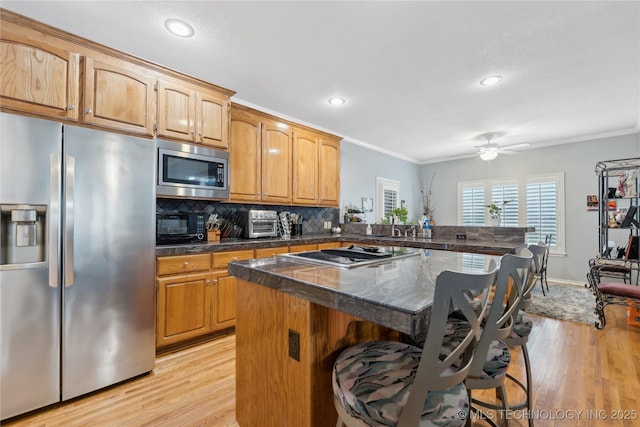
564 302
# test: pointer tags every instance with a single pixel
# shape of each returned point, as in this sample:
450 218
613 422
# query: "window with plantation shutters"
473 204
506 193
542 211
387 191
536 201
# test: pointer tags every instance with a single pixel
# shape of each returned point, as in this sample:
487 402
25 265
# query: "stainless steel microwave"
193 171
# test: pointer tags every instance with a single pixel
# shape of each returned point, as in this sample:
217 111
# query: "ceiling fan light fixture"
489 154
336 100
491 80
179 28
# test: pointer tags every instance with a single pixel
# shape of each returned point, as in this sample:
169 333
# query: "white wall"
576 160
360 167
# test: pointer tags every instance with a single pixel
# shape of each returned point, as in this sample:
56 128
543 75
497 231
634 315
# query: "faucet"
393 227
413 231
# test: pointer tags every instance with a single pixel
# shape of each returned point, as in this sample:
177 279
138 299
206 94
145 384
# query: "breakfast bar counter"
295 317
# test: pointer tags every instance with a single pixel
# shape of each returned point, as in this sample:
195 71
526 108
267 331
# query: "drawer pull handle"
186 264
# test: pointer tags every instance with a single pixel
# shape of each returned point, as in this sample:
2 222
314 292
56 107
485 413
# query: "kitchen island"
294 318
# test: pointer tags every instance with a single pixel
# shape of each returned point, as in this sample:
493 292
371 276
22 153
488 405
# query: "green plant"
494 209
400 213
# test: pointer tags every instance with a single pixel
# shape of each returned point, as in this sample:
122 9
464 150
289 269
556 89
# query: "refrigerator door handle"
69 185
54 219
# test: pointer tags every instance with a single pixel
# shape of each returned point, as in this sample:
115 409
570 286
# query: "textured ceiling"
409 70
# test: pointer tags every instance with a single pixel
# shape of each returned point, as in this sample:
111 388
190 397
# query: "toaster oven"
260 223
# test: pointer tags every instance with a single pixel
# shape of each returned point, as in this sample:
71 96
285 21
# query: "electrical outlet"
294 345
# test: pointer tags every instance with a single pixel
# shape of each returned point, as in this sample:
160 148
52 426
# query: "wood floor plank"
575 368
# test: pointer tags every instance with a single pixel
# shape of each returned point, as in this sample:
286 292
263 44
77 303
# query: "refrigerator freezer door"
29 297
108 317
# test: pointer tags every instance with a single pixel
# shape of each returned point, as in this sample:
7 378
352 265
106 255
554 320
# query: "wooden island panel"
267 377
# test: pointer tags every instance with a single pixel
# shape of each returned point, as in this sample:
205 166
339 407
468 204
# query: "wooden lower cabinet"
224 288
183 307
195 295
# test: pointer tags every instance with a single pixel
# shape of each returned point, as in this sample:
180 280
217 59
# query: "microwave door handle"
53 219
69 187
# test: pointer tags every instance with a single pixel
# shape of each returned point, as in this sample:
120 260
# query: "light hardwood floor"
576 368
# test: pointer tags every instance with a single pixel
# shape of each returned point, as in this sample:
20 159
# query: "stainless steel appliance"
77 261
260 223
180 227
353 256
193 171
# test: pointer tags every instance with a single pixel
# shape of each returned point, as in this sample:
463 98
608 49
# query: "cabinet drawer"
182 264
221 259
269 252
329 245
303 248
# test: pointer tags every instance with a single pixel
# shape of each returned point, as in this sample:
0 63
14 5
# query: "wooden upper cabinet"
118 95
245 157
176 111
36 76
276 162
305 168
329 171
212 119
192 114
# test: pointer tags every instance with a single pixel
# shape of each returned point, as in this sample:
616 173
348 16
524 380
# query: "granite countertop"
475 246
397 294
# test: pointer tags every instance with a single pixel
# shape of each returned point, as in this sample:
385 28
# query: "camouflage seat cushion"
522 326
372 381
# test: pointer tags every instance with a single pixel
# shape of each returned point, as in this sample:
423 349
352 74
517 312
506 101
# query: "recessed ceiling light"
491 80
179 28
337 101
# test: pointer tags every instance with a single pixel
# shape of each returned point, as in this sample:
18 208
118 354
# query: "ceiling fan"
490 150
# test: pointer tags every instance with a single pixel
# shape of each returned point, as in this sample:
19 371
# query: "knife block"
213 236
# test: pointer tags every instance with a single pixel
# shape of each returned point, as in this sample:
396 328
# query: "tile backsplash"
314 217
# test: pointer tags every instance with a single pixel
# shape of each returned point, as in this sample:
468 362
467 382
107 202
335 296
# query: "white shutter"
473 205
390 200
542 202
510 212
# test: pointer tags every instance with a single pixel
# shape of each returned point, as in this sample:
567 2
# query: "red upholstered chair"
608 293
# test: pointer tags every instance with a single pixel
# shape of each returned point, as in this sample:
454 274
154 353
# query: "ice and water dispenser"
22 234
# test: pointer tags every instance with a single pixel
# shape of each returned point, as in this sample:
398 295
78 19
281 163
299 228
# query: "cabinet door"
224 302
276 163
329 172
38 77
245 157
176 111
118 95
305 168
183 307
212 112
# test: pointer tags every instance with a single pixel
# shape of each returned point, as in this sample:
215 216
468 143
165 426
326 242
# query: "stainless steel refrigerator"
77 293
